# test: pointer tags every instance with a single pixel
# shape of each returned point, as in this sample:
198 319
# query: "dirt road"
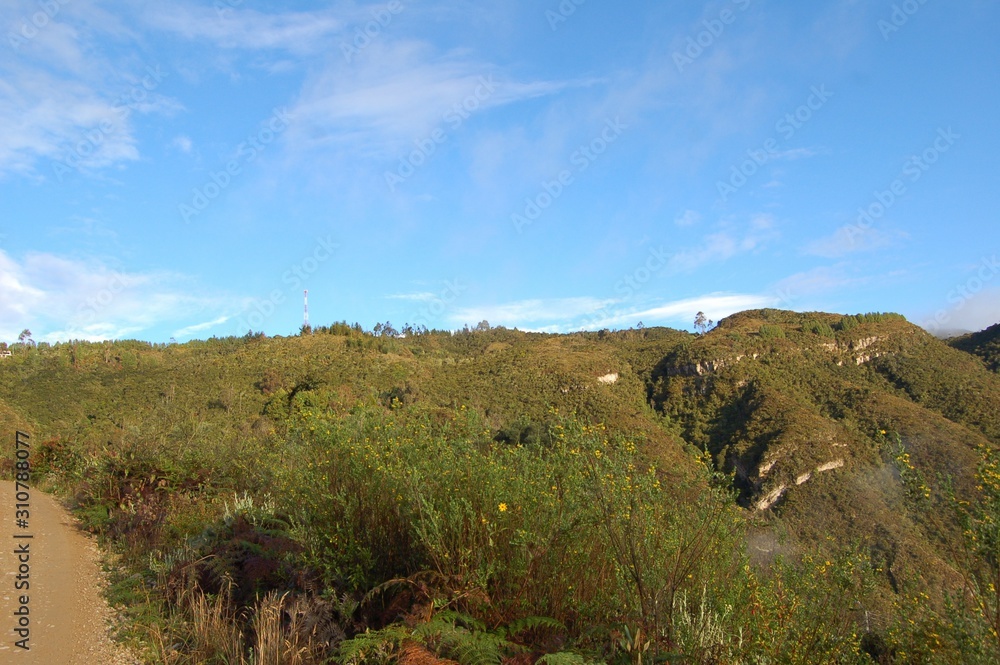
67 618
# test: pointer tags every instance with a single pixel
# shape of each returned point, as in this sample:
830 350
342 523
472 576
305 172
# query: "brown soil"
69 618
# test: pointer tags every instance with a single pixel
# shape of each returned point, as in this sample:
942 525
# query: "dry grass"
275 646
209 632
213 630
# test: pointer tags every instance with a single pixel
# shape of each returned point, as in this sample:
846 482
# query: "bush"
768 331
821 328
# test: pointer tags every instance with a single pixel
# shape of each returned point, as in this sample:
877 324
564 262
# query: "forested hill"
538 494
985 344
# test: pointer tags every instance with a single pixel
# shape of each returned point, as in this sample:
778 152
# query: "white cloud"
716 248
400 92
183 143
724 245
528 312
715 305
586 313
850 239
188 331
62 299
973 314
423 296
240 27
57 100
803 289
793 154
47 117
689 218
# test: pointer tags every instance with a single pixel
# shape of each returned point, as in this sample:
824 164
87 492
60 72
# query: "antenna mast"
305 311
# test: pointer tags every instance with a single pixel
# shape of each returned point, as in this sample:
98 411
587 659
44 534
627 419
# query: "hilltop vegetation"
786 488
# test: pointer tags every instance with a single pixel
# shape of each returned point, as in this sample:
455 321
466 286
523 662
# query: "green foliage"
985 344
465 484
849 322
970 620
771 332
821 328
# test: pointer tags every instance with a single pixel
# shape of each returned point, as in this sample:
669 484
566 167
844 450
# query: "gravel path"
68 617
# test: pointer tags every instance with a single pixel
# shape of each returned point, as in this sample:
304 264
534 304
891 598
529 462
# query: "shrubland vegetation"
418 497
985 344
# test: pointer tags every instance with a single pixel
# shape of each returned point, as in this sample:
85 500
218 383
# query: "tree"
25 338
702 323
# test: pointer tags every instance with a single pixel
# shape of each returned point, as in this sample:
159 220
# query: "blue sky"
187 169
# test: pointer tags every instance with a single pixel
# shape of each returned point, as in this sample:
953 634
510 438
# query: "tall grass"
390 534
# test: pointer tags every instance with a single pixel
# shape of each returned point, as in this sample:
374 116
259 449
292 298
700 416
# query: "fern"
449 633
476 648
464 638
532 623
375 646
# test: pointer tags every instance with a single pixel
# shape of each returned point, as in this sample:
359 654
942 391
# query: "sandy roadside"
67 617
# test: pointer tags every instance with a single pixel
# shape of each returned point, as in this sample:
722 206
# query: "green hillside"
785 488
985 344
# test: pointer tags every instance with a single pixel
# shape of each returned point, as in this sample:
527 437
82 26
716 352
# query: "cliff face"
805 414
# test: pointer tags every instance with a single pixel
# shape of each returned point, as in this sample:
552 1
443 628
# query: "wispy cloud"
188 331
44 115
688 218
980 311
588 313
400 92
62 299
182 143
724 244
849 240
239 27
423 296
793 154
532 312
821 280
58 102
714 305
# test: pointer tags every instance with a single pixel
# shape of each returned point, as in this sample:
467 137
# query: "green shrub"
821 328
768 331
